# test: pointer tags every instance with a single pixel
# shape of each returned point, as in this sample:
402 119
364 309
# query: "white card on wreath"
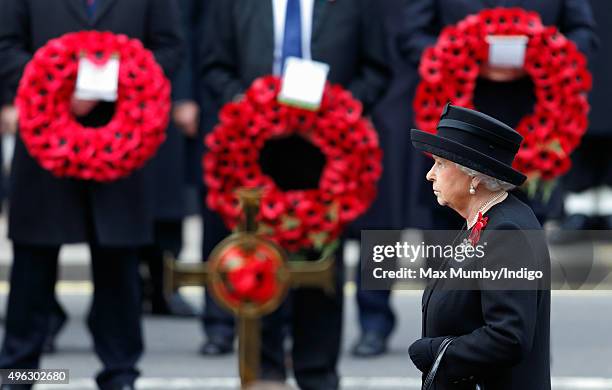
303 83
507 51
97 81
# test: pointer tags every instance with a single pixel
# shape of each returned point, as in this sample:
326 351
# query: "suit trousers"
168 238
313 319
114 317
375 311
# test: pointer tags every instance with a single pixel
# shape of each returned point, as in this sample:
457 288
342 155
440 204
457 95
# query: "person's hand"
80 107
186 116
8 119
423 352
500 74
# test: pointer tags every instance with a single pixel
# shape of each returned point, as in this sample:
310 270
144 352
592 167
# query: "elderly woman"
484 337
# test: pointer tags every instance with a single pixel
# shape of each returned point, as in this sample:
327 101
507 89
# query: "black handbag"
431 375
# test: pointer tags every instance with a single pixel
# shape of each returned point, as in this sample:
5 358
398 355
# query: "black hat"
474 140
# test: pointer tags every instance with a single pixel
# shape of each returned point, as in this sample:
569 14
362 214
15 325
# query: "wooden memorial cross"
250 276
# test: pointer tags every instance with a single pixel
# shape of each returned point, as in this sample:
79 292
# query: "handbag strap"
434 368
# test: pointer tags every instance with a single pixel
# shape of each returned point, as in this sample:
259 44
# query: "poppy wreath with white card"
52 134
318 169
449 72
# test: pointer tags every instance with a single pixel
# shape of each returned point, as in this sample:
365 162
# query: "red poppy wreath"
299 219
66 148
449 72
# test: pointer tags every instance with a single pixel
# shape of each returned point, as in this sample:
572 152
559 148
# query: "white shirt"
279 9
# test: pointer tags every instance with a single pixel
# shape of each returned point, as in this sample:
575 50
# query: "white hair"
491 183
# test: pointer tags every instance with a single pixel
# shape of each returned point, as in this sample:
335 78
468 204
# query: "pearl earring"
472 190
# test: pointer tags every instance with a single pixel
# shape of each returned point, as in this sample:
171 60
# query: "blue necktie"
292 39
91 8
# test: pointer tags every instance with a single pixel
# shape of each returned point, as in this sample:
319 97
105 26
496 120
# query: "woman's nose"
430 175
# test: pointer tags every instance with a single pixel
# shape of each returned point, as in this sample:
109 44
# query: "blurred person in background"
170 166
115 219
392 117
588 201
506 94
253 39
217 323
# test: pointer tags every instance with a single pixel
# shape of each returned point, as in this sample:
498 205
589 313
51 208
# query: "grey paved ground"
581 339
581 347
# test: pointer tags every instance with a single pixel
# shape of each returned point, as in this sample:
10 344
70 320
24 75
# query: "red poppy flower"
476 230
264 90
234 114
431 66
310 212
272 206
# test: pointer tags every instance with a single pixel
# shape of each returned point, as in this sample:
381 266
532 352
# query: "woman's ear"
475 182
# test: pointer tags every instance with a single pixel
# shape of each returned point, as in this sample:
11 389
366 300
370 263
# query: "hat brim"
466 156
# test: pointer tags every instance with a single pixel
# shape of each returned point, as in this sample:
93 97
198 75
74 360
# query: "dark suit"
217 322
508 102
503 336
121 211
392 117
170 164
348 36
175 165
244 45
45 212
187 85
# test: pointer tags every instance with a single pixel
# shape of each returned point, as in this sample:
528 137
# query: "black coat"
178 159
168 171
188 85
46 210
346 34
508 102
503 336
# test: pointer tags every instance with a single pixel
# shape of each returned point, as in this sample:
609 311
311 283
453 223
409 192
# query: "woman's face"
450 184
